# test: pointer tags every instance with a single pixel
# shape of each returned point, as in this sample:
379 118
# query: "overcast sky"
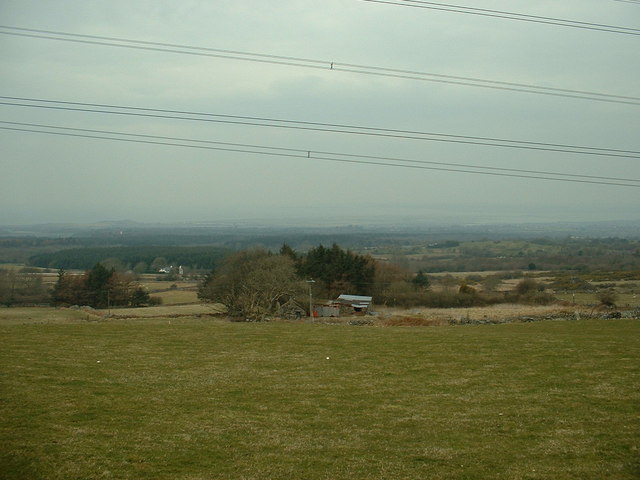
55 178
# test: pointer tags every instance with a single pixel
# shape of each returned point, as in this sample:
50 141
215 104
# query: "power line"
314 126
314 155
318 64
510 16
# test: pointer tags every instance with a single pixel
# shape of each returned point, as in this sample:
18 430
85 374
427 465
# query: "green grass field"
188 398
177 297
185 292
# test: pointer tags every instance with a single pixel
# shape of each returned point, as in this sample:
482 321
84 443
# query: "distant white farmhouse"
170 269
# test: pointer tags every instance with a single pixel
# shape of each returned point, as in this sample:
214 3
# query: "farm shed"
326 310
359 303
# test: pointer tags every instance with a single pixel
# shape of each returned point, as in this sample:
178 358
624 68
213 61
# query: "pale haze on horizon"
226 58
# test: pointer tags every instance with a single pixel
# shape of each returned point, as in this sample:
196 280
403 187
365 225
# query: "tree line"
139 258
99 287
18 288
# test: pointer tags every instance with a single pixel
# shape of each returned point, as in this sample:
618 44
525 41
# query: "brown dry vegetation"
497 313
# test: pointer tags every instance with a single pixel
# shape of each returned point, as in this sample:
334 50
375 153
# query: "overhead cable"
315 155
318 64
313 126
510 16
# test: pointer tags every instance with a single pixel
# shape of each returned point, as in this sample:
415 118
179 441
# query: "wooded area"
144 259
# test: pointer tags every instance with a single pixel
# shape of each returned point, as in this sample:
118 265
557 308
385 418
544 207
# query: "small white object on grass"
98 361
327 358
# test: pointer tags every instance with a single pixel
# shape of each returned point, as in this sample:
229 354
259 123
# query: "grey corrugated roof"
356 298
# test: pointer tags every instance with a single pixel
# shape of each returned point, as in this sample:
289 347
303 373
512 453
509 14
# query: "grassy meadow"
199 398
180 292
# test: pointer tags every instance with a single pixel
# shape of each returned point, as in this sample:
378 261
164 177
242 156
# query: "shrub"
608 298
528 286
466 289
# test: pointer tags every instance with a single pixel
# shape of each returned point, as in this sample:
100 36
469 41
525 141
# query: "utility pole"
310 282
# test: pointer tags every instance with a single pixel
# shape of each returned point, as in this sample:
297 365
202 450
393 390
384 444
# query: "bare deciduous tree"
252 284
